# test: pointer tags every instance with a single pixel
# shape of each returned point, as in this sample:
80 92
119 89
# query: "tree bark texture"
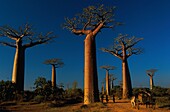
18 67
127 86
151 82
95 83
53 78
107 83
91 92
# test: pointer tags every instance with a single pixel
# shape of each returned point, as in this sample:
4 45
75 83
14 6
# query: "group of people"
107 99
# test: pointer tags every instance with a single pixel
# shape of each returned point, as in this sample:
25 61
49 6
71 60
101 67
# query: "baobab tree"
55 63
112 78
151 73
23 38
102 89
123 48
107 68
89 23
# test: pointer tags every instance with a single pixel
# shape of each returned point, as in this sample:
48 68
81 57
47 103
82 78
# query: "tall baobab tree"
123 48
55 63
103 87
112 78
23 38
151 73
89 23
107 68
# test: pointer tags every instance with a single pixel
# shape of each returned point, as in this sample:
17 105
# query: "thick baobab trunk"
127 86
18 68
107 83
95 79
90 71
53 78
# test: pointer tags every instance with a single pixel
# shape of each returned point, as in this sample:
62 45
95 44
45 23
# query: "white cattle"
133 101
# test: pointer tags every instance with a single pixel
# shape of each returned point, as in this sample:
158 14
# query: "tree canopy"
56 62
124 43
107 67
151 72
25 34
90 19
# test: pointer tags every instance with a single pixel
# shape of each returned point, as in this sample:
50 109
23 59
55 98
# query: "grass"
163 102
95 107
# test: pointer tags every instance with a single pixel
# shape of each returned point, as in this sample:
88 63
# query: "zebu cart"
144 98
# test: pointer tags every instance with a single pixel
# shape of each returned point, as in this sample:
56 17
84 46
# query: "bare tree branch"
10 33
112 52
70 23
7 31
88 22
26 31
135 51
8 44
133 41
78 32
124 44
41 39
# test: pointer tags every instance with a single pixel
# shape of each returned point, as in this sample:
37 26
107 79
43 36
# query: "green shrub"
159 91
163 102
7 90
39 98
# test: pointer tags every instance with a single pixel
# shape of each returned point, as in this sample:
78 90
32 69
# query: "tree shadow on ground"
3 106
165 106
66 102
3 109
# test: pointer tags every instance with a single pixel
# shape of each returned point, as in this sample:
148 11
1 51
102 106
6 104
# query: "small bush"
19 97
84 107
56 104
38 98
8 103
163 102
28 96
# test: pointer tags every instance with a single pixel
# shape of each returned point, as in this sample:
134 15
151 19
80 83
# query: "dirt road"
125 106
119 106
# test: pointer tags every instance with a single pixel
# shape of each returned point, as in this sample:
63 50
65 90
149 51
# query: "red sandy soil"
119 106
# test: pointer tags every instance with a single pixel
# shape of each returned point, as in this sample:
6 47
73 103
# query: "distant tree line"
44 91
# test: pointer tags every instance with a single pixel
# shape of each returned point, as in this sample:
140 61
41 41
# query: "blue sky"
142 18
